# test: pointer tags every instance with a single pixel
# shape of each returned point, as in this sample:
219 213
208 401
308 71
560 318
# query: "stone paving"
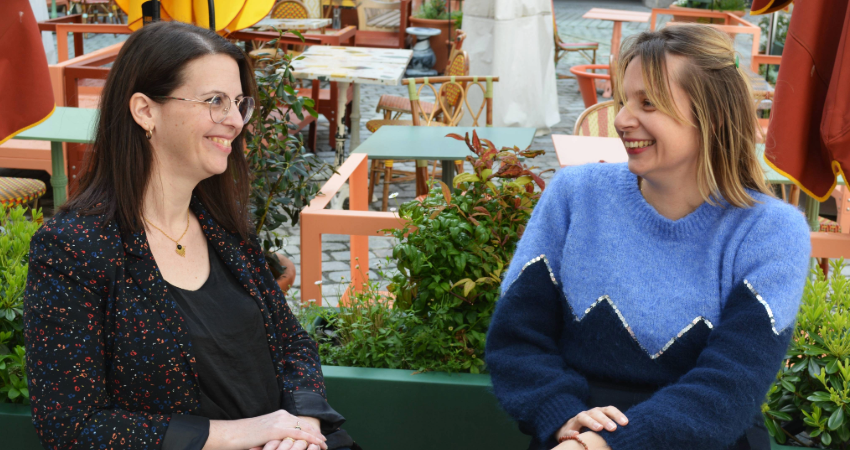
572 28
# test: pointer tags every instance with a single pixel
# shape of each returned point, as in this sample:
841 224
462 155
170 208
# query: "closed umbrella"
230 15
809 135
26 91
513 39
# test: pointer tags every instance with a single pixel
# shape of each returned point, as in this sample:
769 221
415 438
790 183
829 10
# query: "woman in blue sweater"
649 305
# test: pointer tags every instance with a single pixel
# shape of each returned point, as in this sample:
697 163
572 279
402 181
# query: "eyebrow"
241 94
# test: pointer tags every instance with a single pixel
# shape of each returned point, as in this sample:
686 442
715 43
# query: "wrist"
594 441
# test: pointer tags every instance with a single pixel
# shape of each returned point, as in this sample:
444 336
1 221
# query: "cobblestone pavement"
335 257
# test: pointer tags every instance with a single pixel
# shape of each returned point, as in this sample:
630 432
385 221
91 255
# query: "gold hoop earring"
148 132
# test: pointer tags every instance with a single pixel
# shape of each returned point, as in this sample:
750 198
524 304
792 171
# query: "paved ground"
572 29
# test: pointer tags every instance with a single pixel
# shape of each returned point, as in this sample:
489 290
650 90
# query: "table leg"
421 177
342 90
616 37
59 179
448 172
355 118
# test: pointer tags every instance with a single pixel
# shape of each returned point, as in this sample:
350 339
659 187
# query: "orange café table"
618 17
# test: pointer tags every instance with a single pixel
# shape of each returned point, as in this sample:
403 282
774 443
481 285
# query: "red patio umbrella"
25 90
809 135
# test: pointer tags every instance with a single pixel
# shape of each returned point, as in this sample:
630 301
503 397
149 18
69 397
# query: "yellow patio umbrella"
230 15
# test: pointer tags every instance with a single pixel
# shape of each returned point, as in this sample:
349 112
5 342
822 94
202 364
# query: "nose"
233 119
625 120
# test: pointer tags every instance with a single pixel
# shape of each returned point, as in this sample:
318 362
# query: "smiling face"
658 145
187 143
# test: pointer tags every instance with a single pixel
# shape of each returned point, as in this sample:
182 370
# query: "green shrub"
16 230
283 172
810 401
438 10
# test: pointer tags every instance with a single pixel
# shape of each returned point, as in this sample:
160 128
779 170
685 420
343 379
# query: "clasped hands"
595 419
309 425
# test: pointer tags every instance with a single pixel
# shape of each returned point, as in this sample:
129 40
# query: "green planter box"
397 409
16 430
385 408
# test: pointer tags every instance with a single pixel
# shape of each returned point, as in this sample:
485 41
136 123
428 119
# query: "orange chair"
597 121
587 81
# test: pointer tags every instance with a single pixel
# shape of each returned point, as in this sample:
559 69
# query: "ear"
145 111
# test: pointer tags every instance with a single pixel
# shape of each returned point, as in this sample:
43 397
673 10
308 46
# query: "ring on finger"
289 439
298 425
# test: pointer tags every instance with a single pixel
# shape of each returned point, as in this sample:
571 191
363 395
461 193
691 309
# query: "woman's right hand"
259 431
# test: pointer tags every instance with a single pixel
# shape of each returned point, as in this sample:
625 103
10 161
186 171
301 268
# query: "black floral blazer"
110 361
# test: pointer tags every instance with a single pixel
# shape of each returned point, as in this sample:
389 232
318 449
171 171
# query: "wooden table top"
293 24
363 65
431 143
617 15
76 125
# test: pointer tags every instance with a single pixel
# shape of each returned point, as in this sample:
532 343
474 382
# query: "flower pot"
389 408
16 430
677 18
440 43
286 279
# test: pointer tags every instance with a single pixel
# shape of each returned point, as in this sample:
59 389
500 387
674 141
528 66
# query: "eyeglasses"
220 106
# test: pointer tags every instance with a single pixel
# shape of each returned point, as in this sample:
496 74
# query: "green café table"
74 125
429 143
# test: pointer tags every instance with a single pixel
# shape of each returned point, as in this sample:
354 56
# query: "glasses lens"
219 105
246 109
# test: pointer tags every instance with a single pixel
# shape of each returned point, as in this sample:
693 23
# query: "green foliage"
438 10
16 230
714 5
811 394
456 244
783 20
284 172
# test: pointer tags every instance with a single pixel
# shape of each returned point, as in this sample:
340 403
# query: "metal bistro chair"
381 24
598 121
585 49
289 9
393 106
18 191
451 114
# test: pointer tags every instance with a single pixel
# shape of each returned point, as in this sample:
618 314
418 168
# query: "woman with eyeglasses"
151 319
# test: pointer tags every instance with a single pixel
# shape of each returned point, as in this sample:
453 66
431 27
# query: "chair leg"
373 178
388 175
388 114
313 137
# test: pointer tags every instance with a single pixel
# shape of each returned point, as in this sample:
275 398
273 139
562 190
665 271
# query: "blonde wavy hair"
721 101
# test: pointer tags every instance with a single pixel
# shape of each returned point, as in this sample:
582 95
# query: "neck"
166 201
673 198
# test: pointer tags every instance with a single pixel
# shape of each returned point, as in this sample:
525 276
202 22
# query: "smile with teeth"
638 144
221 141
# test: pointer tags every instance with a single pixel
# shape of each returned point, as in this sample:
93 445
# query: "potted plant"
283 172
736 7
809 404
16 230
392 358
435 14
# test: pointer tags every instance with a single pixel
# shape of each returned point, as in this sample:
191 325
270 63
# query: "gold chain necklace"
181 250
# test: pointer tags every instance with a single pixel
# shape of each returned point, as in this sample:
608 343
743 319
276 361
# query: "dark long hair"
119 166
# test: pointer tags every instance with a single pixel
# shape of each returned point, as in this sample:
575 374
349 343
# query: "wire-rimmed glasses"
220 106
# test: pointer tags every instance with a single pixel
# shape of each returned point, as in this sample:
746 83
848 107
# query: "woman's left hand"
595 419
289 444
591 439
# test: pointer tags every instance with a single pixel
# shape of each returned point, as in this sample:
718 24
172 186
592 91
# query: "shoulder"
773 221
772 258
72 235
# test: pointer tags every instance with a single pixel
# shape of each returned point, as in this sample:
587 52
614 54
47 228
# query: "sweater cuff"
554 413
186 432
311 404
637 436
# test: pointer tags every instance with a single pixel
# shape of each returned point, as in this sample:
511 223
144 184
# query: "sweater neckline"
648 217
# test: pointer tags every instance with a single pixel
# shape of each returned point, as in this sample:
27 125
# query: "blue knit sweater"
604 288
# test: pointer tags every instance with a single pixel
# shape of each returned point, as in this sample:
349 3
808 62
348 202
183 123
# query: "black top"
235 370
